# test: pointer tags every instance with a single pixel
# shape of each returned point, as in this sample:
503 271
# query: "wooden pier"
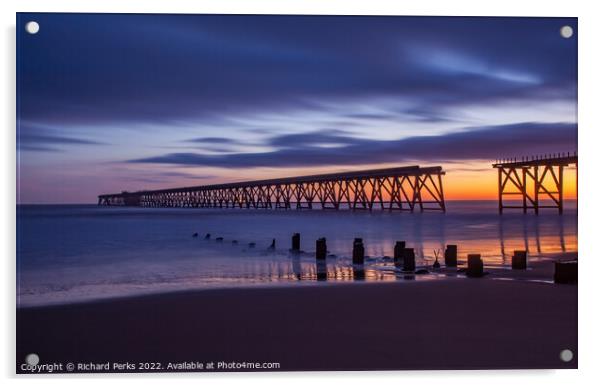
392 189
524 180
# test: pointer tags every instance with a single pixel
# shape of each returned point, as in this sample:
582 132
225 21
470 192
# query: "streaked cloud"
472 143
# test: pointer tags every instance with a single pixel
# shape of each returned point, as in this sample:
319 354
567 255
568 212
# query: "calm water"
72 253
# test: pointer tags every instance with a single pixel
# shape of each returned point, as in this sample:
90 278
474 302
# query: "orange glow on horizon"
482 185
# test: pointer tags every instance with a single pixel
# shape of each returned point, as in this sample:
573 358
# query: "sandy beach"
452 323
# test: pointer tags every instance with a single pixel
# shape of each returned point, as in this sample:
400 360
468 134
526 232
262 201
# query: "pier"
524 179
399 189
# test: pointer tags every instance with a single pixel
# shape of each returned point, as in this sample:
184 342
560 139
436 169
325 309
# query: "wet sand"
450 323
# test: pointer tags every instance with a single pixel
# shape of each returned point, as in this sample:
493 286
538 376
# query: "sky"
115 102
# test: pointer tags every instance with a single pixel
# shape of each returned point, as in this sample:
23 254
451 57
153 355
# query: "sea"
77 253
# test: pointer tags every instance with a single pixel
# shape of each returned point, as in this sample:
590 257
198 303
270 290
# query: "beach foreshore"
451 323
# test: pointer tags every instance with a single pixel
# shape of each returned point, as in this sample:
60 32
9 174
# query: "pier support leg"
537 187
560 189
524 190
499 190
441 191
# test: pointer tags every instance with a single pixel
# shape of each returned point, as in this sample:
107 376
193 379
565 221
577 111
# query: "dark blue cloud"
167 68
45 140
489 142
213 140
323 137
162 177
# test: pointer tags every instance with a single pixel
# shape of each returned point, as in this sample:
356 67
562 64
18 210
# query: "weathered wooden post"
475 266
321 249
519 260
409 259
296 242
358 251
273 245
398 252
451 255
565 272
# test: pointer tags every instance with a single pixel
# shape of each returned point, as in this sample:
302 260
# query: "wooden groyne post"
409 259
398 253
475 266
565 272
451 256
358 251
519 260
321 249
296 242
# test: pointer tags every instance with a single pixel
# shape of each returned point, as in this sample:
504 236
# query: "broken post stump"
565 272
358 251
475 266
321 249
451 255
409 259
519 260
296 242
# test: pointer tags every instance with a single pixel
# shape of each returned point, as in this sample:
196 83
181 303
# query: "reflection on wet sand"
539 238
376 270
532 241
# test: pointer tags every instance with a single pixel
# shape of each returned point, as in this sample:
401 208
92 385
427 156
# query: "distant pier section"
393 189
533 182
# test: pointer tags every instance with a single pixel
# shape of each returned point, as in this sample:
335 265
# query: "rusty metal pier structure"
536 182
392 189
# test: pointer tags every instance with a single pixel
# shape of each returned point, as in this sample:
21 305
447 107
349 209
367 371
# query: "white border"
590 67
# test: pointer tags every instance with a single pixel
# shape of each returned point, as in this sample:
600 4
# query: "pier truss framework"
533 183
402 189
